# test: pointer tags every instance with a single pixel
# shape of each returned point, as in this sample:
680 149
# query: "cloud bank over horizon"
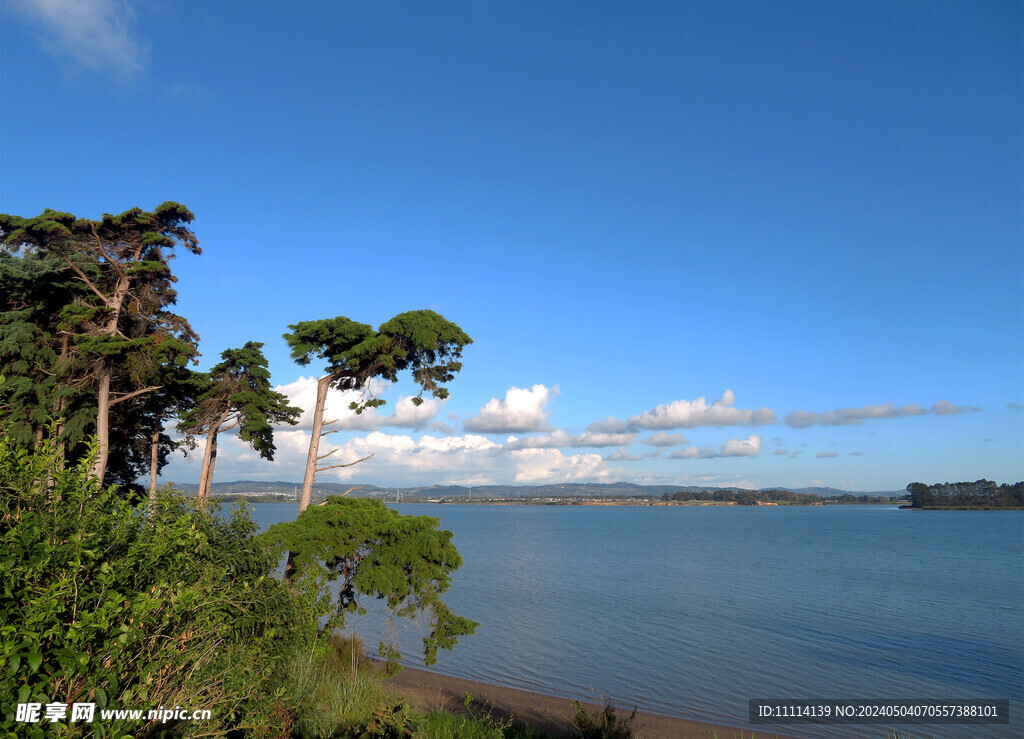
532 451
853 416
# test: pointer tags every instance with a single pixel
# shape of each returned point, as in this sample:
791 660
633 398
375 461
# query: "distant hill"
262 488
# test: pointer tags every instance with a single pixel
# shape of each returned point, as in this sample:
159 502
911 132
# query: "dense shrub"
162 604
403 562
603 723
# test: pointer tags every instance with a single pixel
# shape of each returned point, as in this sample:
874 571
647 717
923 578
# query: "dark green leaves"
238 389
406 561
421 342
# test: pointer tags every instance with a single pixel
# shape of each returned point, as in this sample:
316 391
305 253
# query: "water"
692 611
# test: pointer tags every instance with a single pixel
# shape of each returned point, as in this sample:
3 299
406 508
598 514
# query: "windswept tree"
406 562
119 325
421 341
237 394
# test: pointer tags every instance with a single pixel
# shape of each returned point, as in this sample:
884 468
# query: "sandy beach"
547 713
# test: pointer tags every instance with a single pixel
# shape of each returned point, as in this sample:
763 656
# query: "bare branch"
129 396
328 423
354 487
331 467
103 250
330 432
324 456
82 276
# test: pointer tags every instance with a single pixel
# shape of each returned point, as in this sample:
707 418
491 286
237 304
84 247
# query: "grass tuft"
604 723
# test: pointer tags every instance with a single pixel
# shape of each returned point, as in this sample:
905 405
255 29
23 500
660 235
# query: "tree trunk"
213 463
209 456
114 305
322 386
99 469
154 460
204 474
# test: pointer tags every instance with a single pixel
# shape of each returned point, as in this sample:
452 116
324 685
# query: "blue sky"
695 243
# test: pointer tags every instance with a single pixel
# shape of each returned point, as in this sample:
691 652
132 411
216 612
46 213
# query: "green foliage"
238 390
132 607
94 295
346 654
332 703
982 495
166 226
406 561
34 290
441 725
421 341
604 723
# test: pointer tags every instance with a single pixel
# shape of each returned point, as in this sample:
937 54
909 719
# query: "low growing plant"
604 723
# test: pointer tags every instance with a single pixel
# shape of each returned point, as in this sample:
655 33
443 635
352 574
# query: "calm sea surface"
692 611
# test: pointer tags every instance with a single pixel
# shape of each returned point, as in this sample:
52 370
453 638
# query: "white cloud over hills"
530 450
465 459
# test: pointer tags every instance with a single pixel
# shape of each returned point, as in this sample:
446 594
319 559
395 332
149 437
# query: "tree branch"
129 396
324 456
82 276
103 250
331 467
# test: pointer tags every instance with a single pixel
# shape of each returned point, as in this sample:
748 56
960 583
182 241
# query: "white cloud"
691 414
97 34
609 426
302 393
560 439
827 455
601 439
945 408
622 455
853 416
534 466
470 457
781 452
662 439
522 410
540 441
749 447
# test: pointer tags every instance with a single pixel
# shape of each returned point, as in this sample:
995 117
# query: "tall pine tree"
237 394
422 342
118 324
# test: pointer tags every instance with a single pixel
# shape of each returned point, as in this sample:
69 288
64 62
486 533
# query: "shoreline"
547 713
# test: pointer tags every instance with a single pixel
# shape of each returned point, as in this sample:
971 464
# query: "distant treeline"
753 497
981 494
